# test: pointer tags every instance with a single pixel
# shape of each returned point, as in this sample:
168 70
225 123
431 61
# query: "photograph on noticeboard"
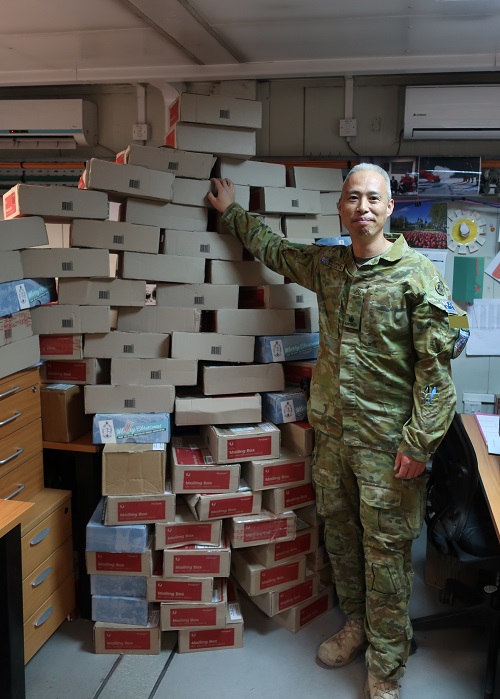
422 223
402 174
442 177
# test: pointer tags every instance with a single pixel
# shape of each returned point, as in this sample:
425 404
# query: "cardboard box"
180 163
103 563
229 444
162 268
219 140
11 267
63 415
123 344
61 319
318 226
61 347
180 589
212 346
254 321
156 319
114 235
272 221
19 355
285 200
192 192
23 233
198 561
141 509
252 273
102 292
129 538
83 371
185 530
124 586
298 437
230 636
128 640
154 372
139 428
203 296
279 500
322 179
127 180
224 379
54 202
113 609
304 541
129 399
134 469
15 327
192 470
174 216
275 348
300 615
272 603
210 246
211 410
223 505
25 293
289 405
329 203
307 320
260 530
216 109
256 579
288 296
289 469
319 559
297 372
252 172
196 615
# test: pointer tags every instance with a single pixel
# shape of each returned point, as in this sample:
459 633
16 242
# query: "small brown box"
63 413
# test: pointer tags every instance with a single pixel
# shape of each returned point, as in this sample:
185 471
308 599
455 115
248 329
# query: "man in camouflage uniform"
381 400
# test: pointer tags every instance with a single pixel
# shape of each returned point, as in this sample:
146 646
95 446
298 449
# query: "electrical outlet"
348 127
140 132
471 407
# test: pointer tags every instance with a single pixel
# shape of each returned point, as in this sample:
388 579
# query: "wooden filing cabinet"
46 543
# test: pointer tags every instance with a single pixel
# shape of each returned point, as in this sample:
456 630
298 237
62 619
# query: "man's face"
363 206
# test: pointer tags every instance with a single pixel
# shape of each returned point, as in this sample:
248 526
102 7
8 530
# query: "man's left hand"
408 468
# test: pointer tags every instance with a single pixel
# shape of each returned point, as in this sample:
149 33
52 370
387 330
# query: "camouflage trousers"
370 518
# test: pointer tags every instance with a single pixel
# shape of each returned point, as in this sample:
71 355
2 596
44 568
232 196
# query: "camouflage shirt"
387 334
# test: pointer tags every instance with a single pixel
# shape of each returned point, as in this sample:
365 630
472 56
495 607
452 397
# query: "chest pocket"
384 324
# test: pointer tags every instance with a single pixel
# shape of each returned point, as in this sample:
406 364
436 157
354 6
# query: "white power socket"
140 132
471 406
348 127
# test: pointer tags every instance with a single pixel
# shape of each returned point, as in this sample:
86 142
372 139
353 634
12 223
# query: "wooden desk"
11 599
489 469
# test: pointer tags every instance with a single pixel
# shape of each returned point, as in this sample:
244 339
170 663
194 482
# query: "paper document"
484 323
488 424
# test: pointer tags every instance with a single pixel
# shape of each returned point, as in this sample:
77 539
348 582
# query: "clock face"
466 231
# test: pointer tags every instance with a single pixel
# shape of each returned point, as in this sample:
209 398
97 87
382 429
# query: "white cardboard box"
15 327
99 562
256 579
220 379
127 180
154 372
204 296
129 345
198 561
182 588
298 616
11 267
179 163
329 203
252 172
279 500
176 216
69 319
322 179
140 509
102 292
211 246
185 530
54 202
129 399
193 470
230 444
253 273
261 530
289 469
285 200
254 321
298 227
65 262
208 410
19 355
305 541
21 233
114 235
223 505
162 268
196 615
157 319
213 347
216 109
289 296
219 140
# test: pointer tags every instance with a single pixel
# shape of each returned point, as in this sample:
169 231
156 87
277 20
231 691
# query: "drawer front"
19 381
19 409
19 446
45 579
48 617
41 541
23 482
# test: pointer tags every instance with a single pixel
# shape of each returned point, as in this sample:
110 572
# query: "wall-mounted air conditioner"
452 112
47 124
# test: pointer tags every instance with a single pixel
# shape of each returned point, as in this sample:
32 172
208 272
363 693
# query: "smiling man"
381 400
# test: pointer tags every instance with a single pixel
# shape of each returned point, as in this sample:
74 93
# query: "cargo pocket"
380 509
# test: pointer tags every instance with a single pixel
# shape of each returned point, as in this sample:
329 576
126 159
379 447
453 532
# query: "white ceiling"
50 42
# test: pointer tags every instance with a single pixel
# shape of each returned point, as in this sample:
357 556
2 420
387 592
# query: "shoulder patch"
444 305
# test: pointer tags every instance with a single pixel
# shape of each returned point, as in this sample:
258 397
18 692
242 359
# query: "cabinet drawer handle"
43 617
9 393
20 486
10 419
12 456
42 577
40 536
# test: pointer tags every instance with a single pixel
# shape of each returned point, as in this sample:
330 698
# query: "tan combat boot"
381 689
343 646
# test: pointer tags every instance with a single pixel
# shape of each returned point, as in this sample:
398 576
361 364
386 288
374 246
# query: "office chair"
459 523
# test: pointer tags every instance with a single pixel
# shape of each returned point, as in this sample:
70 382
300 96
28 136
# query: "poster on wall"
443 177
402 173
422 223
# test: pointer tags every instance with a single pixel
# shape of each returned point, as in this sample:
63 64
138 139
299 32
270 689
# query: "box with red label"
228 444
207 507
295 372
192 473
196 615
256 579
134 469
264 528
180 589
106 563
298 437
272 603
82 371
198 561
125 639
298 616
305 541
184 530
231 636
143 509
61 346
279 500
289 469
15 327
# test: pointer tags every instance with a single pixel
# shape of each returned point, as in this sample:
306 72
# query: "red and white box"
192 469
179 589
264 528
100 562
61 347
304 541
125 639
256 579
298 437
222 505
81 371
139 509
298 616
231 443
272 603
198 561
185 530
279 500
289 469
230 636
196 615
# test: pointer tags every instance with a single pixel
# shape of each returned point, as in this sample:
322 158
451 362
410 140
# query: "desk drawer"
48 617
13 383
26 480
43 539
20 446
45 579
19 409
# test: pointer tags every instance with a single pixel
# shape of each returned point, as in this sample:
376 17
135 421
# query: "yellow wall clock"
466 231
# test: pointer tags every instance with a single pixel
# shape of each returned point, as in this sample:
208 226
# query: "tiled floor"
273 663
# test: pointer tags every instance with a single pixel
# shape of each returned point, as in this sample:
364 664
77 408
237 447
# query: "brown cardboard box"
221 410
176 216
289 469
61 347
162 268
63 415
231 636
251 273
99 562
219 140
216 109
223 505
102 292
128 640
154 372
220 379
211 246
15 327
129 399
62 319
322 179
179 589
298 616
254 321
279 500
55 202
185 530
298 437
127 180
203 296
213 346
242 442
256 579
196 615
272 603
139 509
134 469
156 319
180 163
260 530
23 233
124 344
197 561
65 262
114 235
305 541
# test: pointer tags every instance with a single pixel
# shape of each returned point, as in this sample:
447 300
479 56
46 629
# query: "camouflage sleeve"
436 326
297 262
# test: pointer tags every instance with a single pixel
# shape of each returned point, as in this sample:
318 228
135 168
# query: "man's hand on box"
224 194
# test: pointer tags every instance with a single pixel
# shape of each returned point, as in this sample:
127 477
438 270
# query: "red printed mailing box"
61 346
305 541
198 561
289 469
119 563
207 507
130 640
179 589
192 471
279 500
230 443
304 613
256 579
263 528
184 530
272 603
143 509
231 636
196 615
